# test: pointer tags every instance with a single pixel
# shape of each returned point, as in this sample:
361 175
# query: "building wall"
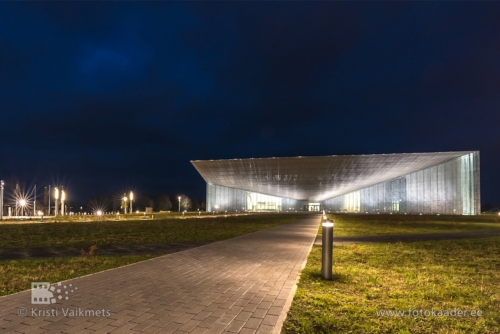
452 187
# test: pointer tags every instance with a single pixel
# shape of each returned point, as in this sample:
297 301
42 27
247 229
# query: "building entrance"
313 206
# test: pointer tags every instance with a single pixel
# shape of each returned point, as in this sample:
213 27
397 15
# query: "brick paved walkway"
241 285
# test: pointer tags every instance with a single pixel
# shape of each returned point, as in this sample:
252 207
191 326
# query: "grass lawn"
439 275
18 275
136 232
363 224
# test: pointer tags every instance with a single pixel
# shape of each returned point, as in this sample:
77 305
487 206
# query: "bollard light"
327 249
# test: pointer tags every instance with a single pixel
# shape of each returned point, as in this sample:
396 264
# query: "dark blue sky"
109 96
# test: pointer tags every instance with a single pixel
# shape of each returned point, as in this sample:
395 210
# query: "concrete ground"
241 285
367 239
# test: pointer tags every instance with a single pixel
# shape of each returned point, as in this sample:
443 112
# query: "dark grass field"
134 232
17 275
370 224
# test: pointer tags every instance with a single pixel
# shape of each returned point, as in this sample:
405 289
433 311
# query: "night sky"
106 97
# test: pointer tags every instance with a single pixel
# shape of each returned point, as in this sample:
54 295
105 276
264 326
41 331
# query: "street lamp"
63 198
22 203
131 196
56 195
179 203
124 204
1 199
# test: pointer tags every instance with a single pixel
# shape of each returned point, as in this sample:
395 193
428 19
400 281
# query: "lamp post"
327 249
131 197
179 203
34 203
56 196
1 199
48 211
125 204
22 204
63 198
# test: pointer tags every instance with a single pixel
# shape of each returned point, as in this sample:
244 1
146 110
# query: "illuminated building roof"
316 178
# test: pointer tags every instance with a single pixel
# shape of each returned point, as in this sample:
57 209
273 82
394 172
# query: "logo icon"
45 293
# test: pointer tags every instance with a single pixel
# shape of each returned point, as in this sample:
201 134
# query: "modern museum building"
427 183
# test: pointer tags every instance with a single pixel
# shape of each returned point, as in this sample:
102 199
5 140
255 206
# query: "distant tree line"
159 202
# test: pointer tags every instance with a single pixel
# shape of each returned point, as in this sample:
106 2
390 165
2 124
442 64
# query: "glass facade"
448 188
444 182
220 198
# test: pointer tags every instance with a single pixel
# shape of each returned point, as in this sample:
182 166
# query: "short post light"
179 198
327 250
63 198
56 196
